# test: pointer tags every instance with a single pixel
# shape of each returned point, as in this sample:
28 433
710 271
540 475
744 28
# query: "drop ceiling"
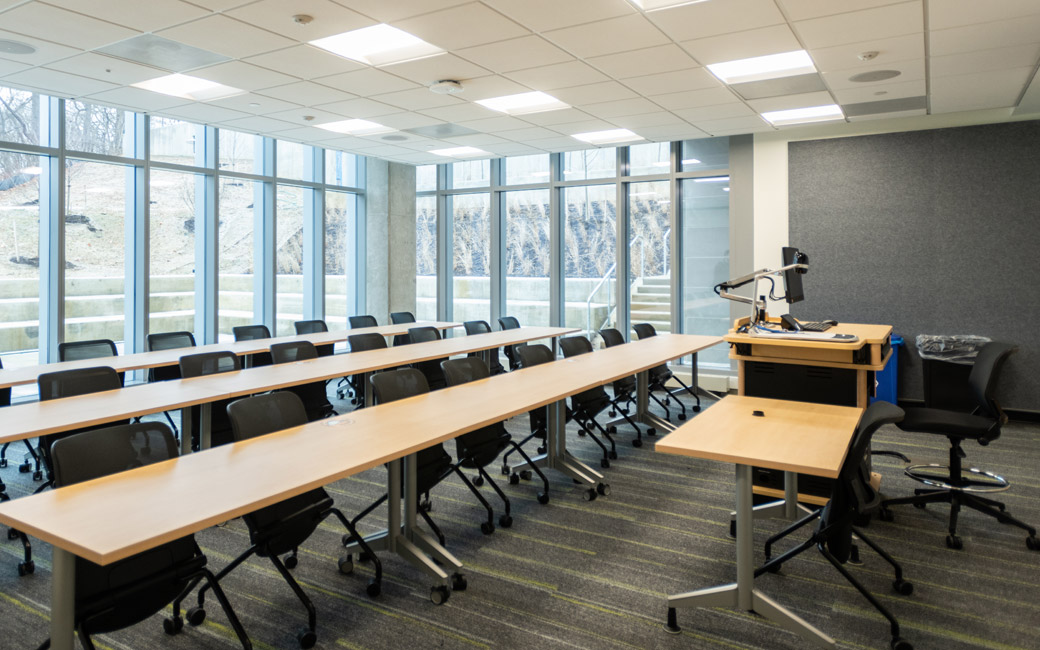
615 65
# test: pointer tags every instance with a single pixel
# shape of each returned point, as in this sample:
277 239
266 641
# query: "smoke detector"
868 56
446 87
302 19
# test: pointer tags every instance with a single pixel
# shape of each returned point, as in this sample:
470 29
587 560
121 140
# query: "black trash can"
946 362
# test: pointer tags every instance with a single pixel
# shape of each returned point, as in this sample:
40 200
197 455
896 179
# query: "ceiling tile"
743 45
714 127
664 133
844 57
227 36
305 134
495 124
529 133
461 112
910 71
221 5
987 36
786 102
881 91
805 9
238 74
307 93
669 82
258 124
889 116
957 13
57 83
75 29
715 112
543 15
406 120
585 126
205 113
361 108
305 62
561 143
969 92
605 91
512 149
255 104
985 60
386 12
477 140
10 67
550 118
706 19
651 60
298 116
45 50
159 14
417 158
428 70
560 75
515 54
694 98
491 86
608 36
463 26
662 118
417 99
141 100
106 68
611 109
277 16
367 82
859 26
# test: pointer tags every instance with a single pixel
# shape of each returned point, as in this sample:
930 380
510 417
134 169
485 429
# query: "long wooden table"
144 360
790 437
187 494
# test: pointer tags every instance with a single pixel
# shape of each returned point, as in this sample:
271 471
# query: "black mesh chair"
510 323
533 355
949 484
433 464
587 404
126 592
95 349
624 388
482 327
363 320
360 343
27 465
26 566
210 363
253 333
478 449
315 399
661 375
280 528
430 369
852 499
168 341
314 327
400 318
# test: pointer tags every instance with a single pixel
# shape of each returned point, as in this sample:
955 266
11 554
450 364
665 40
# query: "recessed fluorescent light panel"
657 5
188 87
460 152
804 115
607 137
356 127
378 45
523 103
759 68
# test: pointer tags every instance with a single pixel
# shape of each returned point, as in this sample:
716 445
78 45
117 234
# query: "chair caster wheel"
901 644
589 495
611 413
637 443
954 542
439 595
291 562
426 505
196 616
37 476
542 449
651 431
173 625
920 506
525 474
612 455
3 463
12 533
903 587
487 527
307 638
346 565
682 416
25 568
886 515
506 471
458 582
604 463
1032 543
514 479
696 409
505 521
373 589
24 468
611 429
733 529
543 498
478 481
581 434
775 568
603 489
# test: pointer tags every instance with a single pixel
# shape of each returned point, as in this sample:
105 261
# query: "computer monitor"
793 277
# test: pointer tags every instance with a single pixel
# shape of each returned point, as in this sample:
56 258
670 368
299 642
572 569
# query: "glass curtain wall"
527 255
649 255
340 244
290 272
171 261
425 256
471 250
19 257
241 204
590 257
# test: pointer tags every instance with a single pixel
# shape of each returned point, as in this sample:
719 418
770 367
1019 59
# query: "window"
590 254
172 219
471 246
527 256
426 257
19 258
589 164
705 155
425 178
471 173
240 204
289 271
340 246
97 129
177 142
341 168
705 219
651 158
649 255
520 170
290 157
239 152
19 117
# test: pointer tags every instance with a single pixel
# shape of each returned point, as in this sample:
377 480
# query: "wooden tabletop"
184 495
866 334
144 360
38 418
790 436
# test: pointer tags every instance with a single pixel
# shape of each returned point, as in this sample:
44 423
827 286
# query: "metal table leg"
786 508
558 458
63 599
643 414
743 594
186 431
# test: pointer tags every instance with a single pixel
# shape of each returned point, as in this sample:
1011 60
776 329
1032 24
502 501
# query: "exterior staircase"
651 302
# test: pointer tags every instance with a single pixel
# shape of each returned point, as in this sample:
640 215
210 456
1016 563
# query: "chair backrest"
209 363
101 452
611 337
575 345
508 323
983 377
399 317
362 321
367 341
251 332
465 369
423 334
310 326
96 349
5 393
79 381
393 385
293 351
534 354
644 330
170 341
477 327
262 414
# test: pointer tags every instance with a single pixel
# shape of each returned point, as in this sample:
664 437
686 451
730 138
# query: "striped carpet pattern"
577 574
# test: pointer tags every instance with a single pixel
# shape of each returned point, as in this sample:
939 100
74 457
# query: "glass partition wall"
116 224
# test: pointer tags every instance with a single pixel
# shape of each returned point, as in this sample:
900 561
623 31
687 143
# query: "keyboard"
815 326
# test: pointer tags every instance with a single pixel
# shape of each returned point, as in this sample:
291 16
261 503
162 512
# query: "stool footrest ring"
977 481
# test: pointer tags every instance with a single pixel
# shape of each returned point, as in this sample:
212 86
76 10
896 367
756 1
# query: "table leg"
786 508
186 431
370 397
205 426
743 594
63 599
643 414
558 458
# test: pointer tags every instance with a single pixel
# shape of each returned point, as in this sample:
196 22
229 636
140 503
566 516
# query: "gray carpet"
573 574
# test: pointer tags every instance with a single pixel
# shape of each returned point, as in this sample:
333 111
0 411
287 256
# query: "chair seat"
947 423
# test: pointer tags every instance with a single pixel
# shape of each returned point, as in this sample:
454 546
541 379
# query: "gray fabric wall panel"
934 232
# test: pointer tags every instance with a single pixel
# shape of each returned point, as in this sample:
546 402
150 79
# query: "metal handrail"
611 308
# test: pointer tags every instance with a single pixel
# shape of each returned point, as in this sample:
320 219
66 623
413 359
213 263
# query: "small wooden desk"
790 437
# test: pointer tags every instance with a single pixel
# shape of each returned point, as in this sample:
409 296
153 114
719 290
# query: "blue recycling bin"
888 379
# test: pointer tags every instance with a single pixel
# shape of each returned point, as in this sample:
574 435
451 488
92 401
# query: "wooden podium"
819 371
